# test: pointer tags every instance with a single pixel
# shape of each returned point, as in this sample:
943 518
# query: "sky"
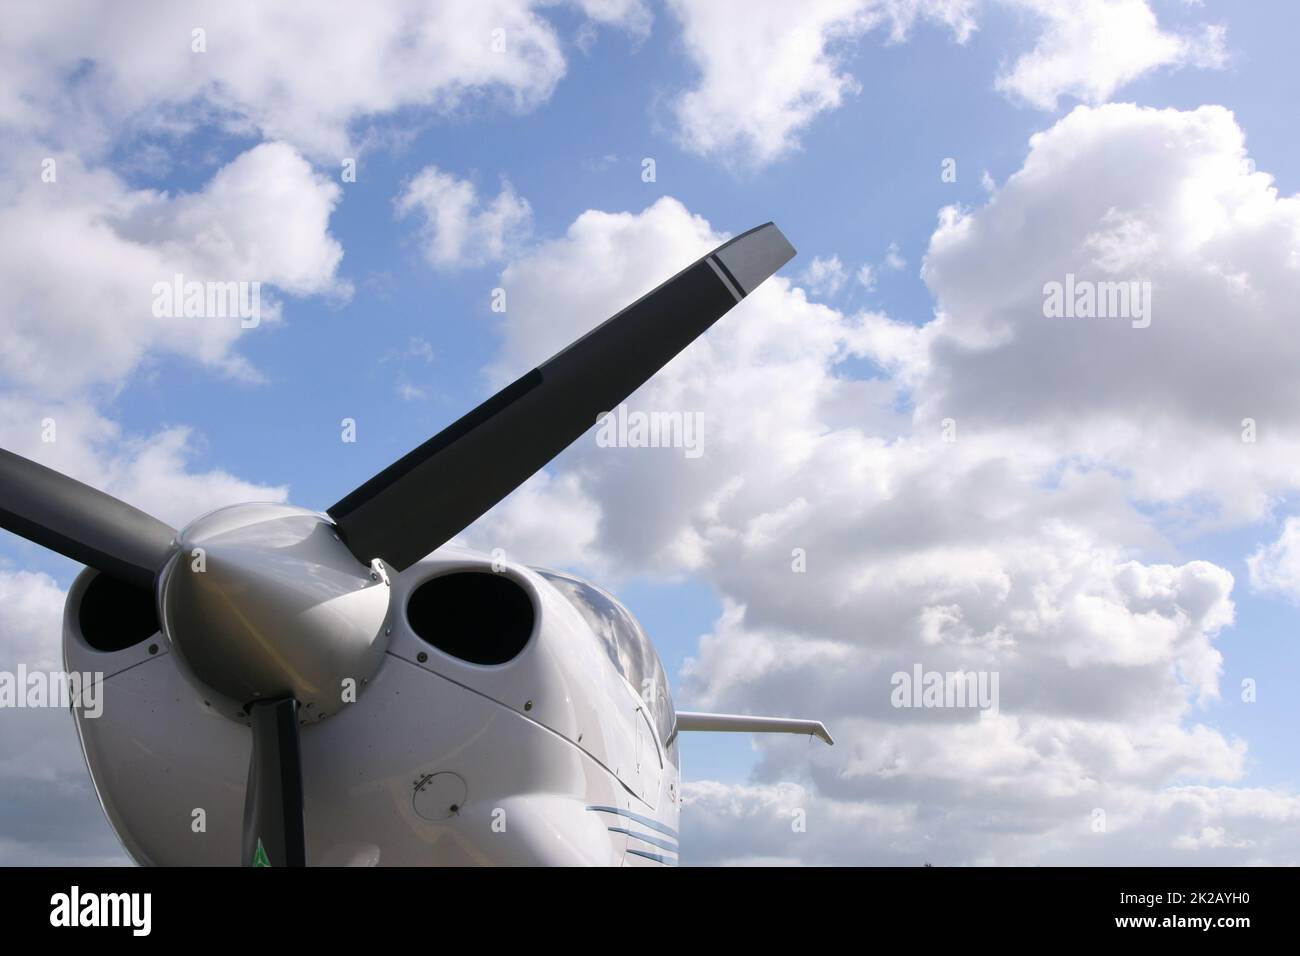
907 460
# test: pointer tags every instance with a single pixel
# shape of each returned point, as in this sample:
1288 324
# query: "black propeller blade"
273 824
425 498
80 522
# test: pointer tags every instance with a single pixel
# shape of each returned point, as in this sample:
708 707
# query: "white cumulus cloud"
767 70
1275 567
457 227
80 258
310 72
1088 49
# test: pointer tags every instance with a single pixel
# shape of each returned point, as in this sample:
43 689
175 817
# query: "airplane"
285 687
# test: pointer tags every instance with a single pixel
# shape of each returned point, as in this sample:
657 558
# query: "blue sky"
850 179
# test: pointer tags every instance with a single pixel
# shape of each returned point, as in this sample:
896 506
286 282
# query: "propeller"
273 827
420 501
272 609
81 522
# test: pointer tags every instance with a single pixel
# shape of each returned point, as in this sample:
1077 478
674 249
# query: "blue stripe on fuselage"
663 844
654 856
644 821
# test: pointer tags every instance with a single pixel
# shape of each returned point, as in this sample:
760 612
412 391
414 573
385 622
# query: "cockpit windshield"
625 643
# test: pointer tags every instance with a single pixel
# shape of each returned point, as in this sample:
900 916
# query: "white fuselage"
553 757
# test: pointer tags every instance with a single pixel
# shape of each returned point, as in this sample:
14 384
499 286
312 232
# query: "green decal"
260 858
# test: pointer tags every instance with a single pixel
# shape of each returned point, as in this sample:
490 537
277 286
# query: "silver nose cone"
263 601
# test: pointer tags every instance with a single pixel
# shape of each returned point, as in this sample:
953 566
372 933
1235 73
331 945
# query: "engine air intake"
115 615
478 616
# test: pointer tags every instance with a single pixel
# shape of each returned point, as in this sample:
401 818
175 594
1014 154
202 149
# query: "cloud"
631 15
1209 383
308 73
1090 49
893 258
1275 567
80 258
457 228
868 274
549 521
825 276
153 471
768 70
996 552
791 824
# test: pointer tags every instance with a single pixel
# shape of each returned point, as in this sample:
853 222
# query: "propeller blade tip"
753 256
